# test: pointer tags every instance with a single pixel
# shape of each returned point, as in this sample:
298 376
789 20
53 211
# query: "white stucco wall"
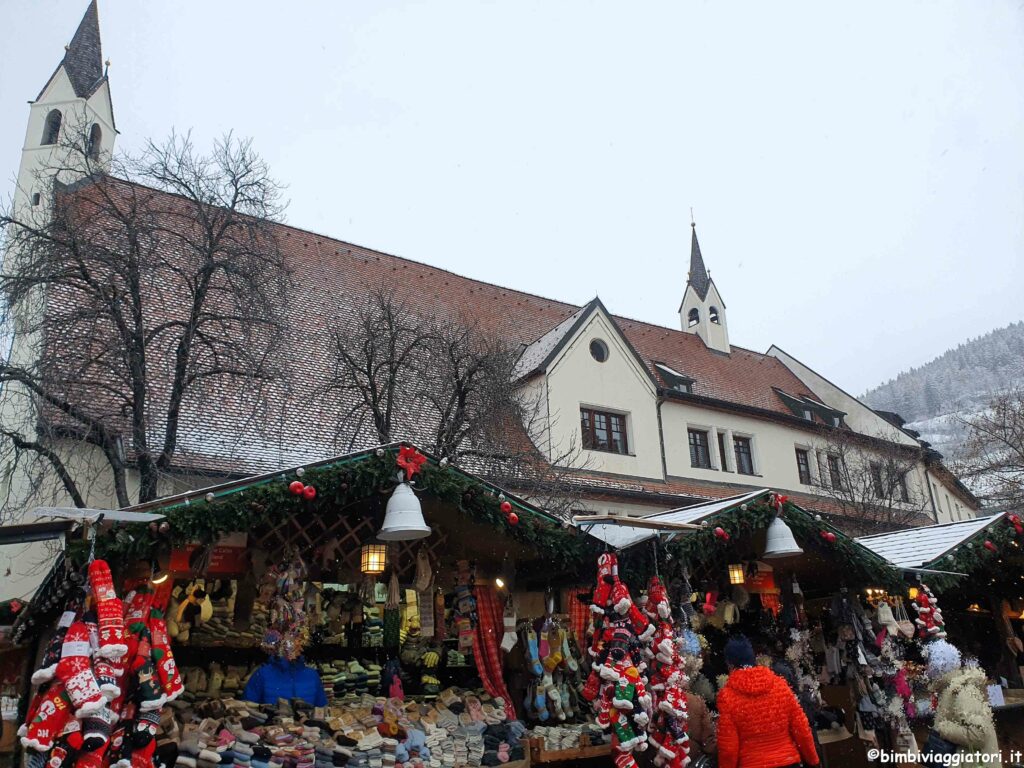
620 385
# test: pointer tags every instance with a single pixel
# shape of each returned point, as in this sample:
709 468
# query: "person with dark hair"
761 723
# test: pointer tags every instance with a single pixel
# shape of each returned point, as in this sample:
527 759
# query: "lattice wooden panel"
308 533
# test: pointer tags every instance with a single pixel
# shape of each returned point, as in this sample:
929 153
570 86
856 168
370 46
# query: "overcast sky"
856 171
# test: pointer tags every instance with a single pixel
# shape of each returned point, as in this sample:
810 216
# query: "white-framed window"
604 430
743 454
803 465
722 440
699 440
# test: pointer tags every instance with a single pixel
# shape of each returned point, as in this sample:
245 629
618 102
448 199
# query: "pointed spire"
83 59
698 273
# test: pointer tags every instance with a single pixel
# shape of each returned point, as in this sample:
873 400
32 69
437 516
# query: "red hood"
752 681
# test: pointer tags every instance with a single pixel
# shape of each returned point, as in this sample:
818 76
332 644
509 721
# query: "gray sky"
857 177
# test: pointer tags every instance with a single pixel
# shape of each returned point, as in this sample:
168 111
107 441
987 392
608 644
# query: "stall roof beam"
85 515
623 532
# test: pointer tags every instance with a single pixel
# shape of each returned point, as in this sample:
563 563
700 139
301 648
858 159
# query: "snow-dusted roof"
917 547
622 536
535 354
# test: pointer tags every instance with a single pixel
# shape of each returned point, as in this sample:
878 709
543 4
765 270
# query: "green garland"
339 485
857 563
972 558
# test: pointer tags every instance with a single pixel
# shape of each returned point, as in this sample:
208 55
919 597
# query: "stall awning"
621 535
920 547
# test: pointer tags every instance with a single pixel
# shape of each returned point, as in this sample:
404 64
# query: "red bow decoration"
410 460
778 500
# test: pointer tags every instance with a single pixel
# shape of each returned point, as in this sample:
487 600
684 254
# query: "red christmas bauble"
513 518
831 538
720 533
309 493
296 487
506 507
991 547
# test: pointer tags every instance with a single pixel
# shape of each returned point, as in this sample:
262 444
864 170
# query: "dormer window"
51 129
673 379
692 318
713 315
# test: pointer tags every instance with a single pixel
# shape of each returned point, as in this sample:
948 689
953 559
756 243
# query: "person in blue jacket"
279 678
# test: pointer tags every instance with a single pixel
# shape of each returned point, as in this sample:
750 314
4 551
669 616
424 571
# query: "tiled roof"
535 354
331 282
918 547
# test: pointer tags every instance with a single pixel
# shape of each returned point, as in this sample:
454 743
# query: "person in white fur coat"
963 716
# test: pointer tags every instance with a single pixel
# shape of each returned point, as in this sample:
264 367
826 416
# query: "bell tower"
702 311
73 107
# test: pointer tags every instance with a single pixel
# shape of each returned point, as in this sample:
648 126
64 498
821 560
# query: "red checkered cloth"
486 652
579 616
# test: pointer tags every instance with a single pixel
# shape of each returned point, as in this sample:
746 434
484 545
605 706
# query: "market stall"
831 615
381 608
976 567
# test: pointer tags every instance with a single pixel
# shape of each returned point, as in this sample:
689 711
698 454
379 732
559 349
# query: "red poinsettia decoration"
410 460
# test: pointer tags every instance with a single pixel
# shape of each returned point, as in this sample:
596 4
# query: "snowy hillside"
961 381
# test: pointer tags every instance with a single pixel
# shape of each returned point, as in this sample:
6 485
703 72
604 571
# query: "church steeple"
698 277
83 58
702 311
73 108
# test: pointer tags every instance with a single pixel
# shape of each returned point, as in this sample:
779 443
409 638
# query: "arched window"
51 130
95 140
692 318
713 314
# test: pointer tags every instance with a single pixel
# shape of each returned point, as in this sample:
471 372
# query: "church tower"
703 311
74 105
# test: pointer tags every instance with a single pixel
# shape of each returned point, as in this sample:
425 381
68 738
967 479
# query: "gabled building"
651 417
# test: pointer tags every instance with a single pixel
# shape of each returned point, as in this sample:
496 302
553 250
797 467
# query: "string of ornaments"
104 676
636 682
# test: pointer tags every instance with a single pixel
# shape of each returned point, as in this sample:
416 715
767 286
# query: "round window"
599 350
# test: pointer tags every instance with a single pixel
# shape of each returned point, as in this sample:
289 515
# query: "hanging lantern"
780 541
373 558
736 575
404 518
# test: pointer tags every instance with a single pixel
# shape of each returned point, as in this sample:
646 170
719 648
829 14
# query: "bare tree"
151 283
400 373
992 458
872 481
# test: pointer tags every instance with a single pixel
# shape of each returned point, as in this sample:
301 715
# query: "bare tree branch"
134 293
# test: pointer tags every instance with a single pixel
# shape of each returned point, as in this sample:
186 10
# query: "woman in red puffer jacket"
761 724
